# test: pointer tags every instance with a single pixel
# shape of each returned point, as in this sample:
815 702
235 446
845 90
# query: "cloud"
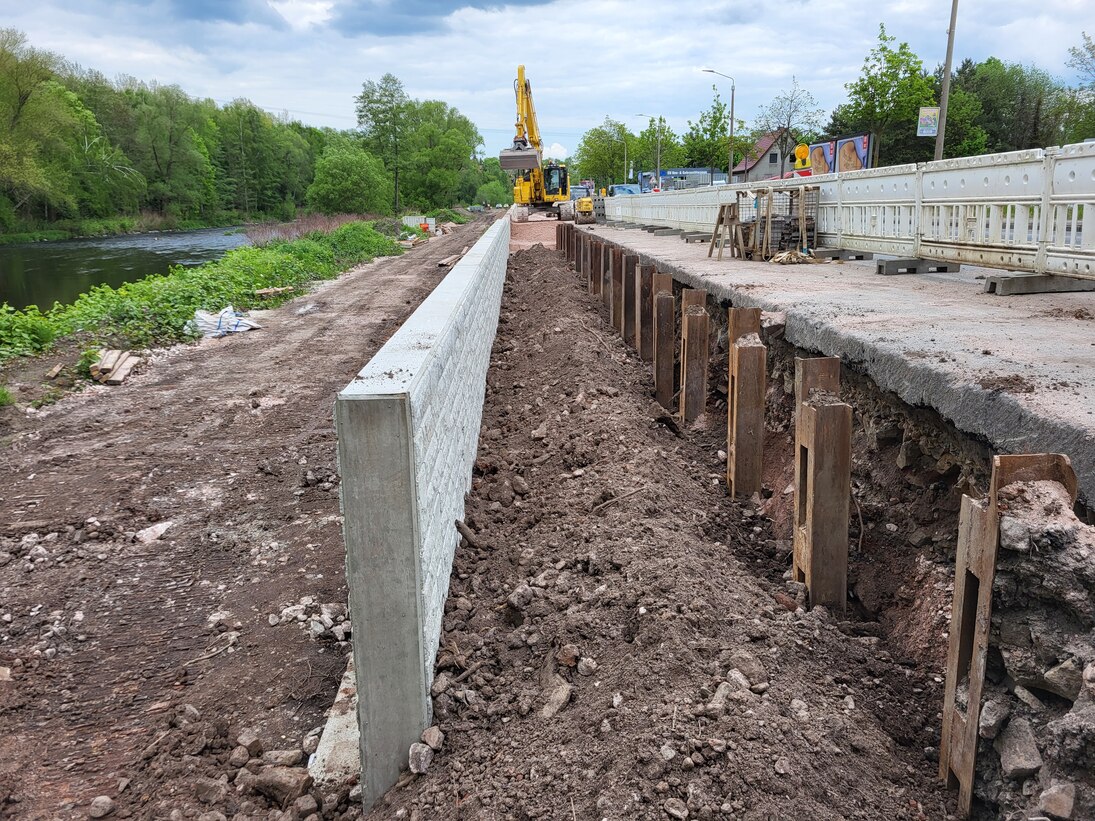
402 17
556 151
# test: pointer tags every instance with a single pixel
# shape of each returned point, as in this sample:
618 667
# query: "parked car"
624 188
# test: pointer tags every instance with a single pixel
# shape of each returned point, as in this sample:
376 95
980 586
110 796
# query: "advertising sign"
853 153
823 157
928 123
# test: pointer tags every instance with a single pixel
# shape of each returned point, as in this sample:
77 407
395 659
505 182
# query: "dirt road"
112 638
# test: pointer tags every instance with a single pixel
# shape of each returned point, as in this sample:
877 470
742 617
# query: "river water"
41 273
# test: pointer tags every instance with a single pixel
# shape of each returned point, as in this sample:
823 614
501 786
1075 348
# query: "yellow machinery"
583 210
537 187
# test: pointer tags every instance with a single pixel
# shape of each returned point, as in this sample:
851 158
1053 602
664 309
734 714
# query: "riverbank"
153 311
119 226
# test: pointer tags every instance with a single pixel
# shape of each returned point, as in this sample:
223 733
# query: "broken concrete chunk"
557 698
1058 801
420 757
433 737
280 784
1019 756
1065 679
1014 534
250 740
993 716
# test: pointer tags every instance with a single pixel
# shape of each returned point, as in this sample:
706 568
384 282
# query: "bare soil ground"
127 669
620 642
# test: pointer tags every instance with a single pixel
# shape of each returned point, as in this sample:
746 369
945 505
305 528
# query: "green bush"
155 310
447 215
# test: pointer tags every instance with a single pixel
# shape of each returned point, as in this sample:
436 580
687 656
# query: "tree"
382 113
601 152
706 143
1082 59
794 116
885 100
493 193
350 180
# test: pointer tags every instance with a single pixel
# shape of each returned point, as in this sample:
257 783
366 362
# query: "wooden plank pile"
449 261
113 366
448 227
274 291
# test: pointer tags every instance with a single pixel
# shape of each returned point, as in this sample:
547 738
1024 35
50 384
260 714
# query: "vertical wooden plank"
828 428
595 272
580 255
572 234
558 235
665 342
631 274
644 313
815 373
745 403
663 282
693 297
618 289
694 355
606 277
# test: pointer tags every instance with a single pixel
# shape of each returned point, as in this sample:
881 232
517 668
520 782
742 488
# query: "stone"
586 666
101 807
992 718
283 758
305 806
557 698
750 667
717 705
433 737
1019 756
212 815
675 808
568 655
283 785
520 486
1066 679
420 757
1058 801
1014 534
250 740
521 597
153 532
667 753
310 744
210 791
440 684
239 756
782 766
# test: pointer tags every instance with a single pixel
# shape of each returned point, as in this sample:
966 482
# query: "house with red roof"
763 161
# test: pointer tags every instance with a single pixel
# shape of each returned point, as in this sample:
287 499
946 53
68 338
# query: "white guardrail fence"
1028 211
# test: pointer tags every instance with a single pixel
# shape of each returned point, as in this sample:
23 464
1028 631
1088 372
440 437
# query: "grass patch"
5 397
153 311
447 215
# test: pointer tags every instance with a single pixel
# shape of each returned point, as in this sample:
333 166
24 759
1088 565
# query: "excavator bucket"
519 159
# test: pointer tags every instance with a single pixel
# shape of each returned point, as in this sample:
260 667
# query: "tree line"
77 147
994 106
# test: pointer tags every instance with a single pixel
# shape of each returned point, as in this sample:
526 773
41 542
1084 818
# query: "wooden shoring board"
119 374
971 613
631 288
694 355
823 476
745 404
606 277
596 257
644 313
693 297
617 306
815 373
665 342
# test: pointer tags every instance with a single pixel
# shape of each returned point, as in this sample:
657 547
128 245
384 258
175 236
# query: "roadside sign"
928 123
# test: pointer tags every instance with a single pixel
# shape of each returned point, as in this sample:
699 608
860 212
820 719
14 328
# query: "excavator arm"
526 153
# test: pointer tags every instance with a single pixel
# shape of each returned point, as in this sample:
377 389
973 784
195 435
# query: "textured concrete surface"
1018 371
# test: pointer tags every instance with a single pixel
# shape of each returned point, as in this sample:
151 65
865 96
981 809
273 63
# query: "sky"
585 59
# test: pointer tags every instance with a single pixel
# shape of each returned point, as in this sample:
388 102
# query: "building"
674 179
763 162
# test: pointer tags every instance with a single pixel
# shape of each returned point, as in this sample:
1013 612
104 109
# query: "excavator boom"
527 149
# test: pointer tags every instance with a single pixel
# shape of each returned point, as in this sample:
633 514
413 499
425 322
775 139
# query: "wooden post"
665 343
572 234
693 296
618 289
971 613
745 398
819 373
558 235
580 254
823 474
631 274
597 258
644 313
694 354
606 278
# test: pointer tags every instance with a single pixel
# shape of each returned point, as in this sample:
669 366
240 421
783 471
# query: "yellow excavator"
537 187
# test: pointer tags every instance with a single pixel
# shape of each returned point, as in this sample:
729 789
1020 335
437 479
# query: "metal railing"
1022 211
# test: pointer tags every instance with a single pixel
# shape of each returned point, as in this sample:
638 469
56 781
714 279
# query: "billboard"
823 157
853 153
927 125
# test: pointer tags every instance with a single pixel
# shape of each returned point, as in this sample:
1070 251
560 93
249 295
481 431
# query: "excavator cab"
556 181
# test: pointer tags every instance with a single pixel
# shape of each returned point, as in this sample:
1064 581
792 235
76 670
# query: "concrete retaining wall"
408 429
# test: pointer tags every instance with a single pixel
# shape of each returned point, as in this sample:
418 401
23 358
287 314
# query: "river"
41 273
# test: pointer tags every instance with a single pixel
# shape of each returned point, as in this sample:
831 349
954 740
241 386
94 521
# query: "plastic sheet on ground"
226 321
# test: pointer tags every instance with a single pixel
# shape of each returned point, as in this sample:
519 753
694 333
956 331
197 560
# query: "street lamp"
733 88
658 182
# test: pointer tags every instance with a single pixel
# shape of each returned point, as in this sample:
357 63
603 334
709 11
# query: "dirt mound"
609 650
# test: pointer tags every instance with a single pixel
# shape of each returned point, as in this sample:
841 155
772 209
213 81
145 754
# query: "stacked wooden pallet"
113 366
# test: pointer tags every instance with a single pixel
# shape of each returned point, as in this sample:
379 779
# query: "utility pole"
941 133
733 88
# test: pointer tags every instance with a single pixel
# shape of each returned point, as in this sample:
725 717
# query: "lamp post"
658 182
733 88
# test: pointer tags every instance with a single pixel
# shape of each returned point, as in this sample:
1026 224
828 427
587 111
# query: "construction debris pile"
113 366
1037 726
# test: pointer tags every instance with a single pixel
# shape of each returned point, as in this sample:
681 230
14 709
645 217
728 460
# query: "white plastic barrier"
1023 211
408 429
